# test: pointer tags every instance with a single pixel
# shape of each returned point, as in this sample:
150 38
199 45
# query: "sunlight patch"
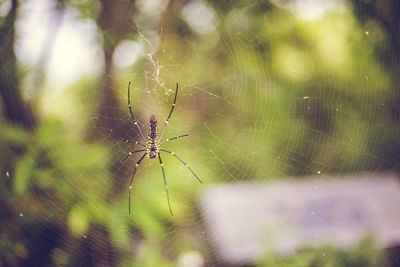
200 17
293 64
127 53
309 10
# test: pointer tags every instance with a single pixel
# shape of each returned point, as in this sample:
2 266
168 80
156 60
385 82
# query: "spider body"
152 146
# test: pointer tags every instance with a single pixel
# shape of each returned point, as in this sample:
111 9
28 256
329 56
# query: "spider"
152 146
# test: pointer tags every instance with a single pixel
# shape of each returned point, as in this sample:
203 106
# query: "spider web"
254 111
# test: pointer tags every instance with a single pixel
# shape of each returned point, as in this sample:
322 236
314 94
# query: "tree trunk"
15 110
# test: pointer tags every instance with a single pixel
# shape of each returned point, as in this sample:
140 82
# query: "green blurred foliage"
265 96
366 254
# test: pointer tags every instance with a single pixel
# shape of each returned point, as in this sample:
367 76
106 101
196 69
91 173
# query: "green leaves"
23 173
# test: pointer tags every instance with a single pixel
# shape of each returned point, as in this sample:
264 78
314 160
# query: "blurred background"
269 90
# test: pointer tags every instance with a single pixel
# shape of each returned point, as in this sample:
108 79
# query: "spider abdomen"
153 128
152 144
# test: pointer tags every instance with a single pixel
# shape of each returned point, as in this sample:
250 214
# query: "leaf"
12 134
23 173
78 220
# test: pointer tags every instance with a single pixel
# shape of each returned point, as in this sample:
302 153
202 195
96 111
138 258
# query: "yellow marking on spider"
173 105
137 165
135 122
162 164
166 121
130 153
172 153
187 165
130 187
